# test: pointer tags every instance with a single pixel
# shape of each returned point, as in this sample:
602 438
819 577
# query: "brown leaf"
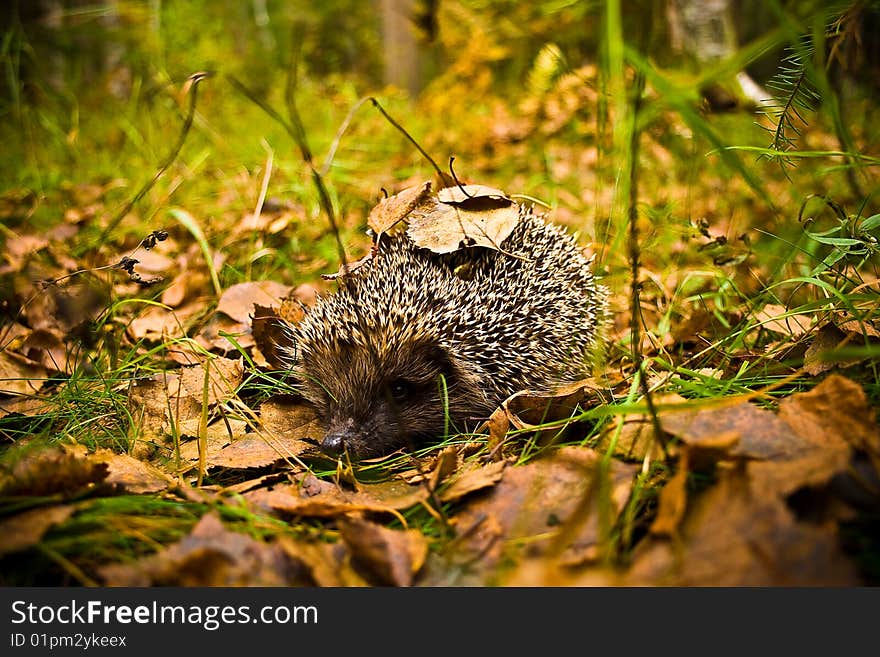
732 536
290 418
46 471
470 480
471 194
157 324
257 451
444 228
24 530
311 496
632 437
155 409
393 556
389 211
395 494
20 375
779 319
550 504
48 348
211 337
210 555
223 375
673 500
761 434
327 564
130 474
27 406
820 358
238 301
272 337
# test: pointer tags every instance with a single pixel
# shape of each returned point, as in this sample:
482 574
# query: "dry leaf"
548 504
393 556
733 537
445 228
238 301
780 320
257 451
54 470
470 480
389 211
210 555
24 530
19 375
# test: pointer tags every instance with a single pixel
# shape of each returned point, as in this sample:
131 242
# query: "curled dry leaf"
40 472
272 337
472 194
392 556
390 211
527 410
470 479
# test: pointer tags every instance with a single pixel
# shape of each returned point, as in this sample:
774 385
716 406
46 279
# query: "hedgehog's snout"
333 444
339 436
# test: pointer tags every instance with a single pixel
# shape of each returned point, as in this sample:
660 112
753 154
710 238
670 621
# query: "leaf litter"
729 511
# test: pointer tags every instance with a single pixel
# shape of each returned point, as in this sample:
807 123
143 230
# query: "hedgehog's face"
375 401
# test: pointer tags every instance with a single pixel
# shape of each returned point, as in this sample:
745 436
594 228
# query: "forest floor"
149 437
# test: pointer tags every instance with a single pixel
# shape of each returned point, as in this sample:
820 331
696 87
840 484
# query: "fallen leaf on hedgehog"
473 195
389 211
470 216
210 555
390 556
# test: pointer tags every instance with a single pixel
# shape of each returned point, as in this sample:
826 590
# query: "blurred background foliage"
529 97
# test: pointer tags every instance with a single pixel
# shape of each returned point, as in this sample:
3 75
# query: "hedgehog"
415 345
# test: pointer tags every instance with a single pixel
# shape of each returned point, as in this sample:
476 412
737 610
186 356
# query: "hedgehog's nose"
333 444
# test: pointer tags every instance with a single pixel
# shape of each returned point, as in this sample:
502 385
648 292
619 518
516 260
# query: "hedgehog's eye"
400 389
